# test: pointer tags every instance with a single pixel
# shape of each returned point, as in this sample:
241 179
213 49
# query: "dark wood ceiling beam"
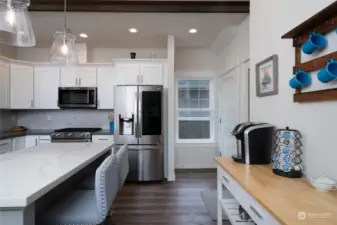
141 6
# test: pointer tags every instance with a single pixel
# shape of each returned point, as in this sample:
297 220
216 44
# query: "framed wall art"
267 77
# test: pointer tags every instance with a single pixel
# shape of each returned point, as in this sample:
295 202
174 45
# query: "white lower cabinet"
44 139
31 141
5 146
257 213
103 138
19 143
35 140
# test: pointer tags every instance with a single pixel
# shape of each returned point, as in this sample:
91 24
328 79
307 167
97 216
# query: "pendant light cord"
65 15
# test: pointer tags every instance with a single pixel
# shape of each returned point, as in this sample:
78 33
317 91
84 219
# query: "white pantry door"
229 96
233 105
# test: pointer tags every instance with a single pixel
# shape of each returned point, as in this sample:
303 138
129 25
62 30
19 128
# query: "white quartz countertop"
28 174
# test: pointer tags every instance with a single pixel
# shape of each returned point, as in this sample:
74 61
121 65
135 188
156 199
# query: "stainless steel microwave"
77 97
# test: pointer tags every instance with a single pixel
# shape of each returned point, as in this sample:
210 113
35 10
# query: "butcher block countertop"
283 197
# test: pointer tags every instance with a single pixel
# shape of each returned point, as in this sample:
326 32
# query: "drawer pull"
102 139
256 212
225 179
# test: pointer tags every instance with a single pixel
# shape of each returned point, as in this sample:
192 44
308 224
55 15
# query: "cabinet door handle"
4 144
256 212
35 141
225 179
76 82
141 78
137 78
32 103
80 81
98 103
100 139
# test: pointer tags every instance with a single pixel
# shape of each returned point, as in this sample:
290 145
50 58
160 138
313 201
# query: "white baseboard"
195 166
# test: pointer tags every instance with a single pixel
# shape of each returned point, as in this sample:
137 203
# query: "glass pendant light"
15 26
63 50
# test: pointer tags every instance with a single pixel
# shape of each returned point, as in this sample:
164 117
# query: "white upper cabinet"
78 77
46 83
152 74
21 87
87 77
68 77
140 74
128 73
106 80
4 85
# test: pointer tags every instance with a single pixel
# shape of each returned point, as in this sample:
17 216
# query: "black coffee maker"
254 143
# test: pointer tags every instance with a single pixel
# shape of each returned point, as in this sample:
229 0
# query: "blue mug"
301 79
315 41
329 72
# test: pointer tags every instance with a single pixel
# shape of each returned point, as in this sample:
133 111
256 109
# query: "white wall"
195 63
106 54
194 60
237 51
97 55
7 51
269 20
32 54
232 61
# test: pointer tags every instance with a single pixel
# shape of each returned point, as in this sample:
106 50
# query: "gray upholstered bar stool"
122 156
88 207
123 164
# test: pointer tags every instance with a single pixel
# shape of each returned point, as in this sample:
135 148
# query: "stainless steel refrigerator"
138 123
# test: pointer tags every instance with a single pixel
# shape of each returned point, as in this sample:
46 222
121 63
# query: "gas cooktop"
77 134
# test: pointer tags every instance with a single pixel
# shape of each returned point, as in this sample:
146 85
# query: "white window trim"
211 109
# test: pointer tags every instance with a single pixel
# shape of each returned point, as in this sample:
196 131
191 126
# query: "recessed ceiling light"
193 31
83 35
133 30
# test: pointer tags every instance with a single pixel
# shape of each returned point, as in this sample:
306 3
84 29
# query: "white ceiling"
111 29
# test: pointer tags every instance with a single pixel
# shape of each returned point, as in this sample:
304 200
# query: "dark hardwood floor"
166 203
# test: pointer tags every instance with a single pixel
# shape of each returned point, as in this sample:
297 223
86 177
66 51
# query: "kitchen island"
29 174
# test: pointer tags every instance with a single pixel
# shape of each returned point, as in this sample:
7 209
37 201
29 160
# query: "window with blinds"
194 110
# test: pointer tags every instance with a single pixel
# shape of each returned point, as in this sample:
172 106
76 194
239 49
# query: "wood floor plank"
165 203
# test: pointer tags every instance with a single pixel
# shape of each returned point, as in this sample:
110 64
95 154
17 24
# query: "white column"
171 108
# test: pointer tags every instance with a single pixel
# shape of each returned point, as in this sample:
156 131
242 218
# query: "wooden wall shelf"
323 22
323 18
316 96
315 64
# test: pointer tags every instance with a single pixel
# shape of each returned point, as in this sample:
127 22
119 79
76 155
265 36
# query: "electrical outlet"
48 118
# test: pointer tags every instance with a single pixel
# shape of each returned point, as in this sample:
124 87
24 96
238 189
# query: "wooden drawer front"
253 208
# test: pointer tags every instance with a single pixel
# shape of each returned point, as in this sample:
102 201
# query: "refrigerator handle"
140 116
136 129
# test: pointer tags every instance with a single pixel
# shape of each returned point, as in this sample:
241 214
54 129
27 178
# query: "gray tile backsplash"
7 121
56 119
